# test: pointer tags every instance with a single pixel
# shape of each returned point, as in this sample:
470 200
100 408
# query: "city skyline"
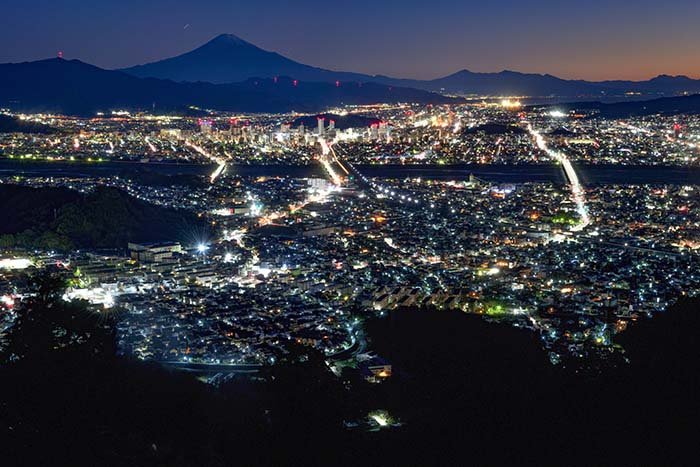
609 41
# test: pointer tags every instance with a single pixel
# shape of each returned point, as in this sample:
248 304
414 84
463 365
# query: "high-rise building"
374 131
677 130
384 130
205 126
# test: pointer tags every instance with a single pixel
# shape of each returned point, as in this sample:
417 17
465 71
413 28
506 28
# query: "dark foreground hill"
63 219
74 87
468 392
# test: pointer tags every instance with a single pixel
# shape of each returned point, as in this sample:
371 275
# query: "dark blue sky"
593 39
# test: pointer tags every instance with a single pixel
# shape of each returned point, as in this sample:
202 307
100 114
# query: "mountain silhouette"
228 58
77 88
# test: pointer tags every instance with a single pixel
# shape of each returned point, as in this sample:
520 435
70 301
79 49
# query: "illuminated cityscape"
347 260
308 255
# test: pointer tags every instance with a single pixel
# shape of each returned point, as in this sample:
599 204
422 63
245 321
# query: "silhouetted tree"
47 326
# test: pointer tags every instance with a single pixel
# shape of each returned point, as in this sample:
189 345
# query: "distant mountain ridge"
663 105
77 88
228 58
268 82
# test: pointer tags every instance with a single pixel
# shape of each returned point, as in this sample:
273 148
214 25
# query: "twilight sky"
592 39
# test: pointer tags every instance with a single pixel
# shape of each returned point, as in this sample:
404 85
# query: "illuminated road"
324 159
150 145
577 191
337 160
319 196
220 161
379 190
